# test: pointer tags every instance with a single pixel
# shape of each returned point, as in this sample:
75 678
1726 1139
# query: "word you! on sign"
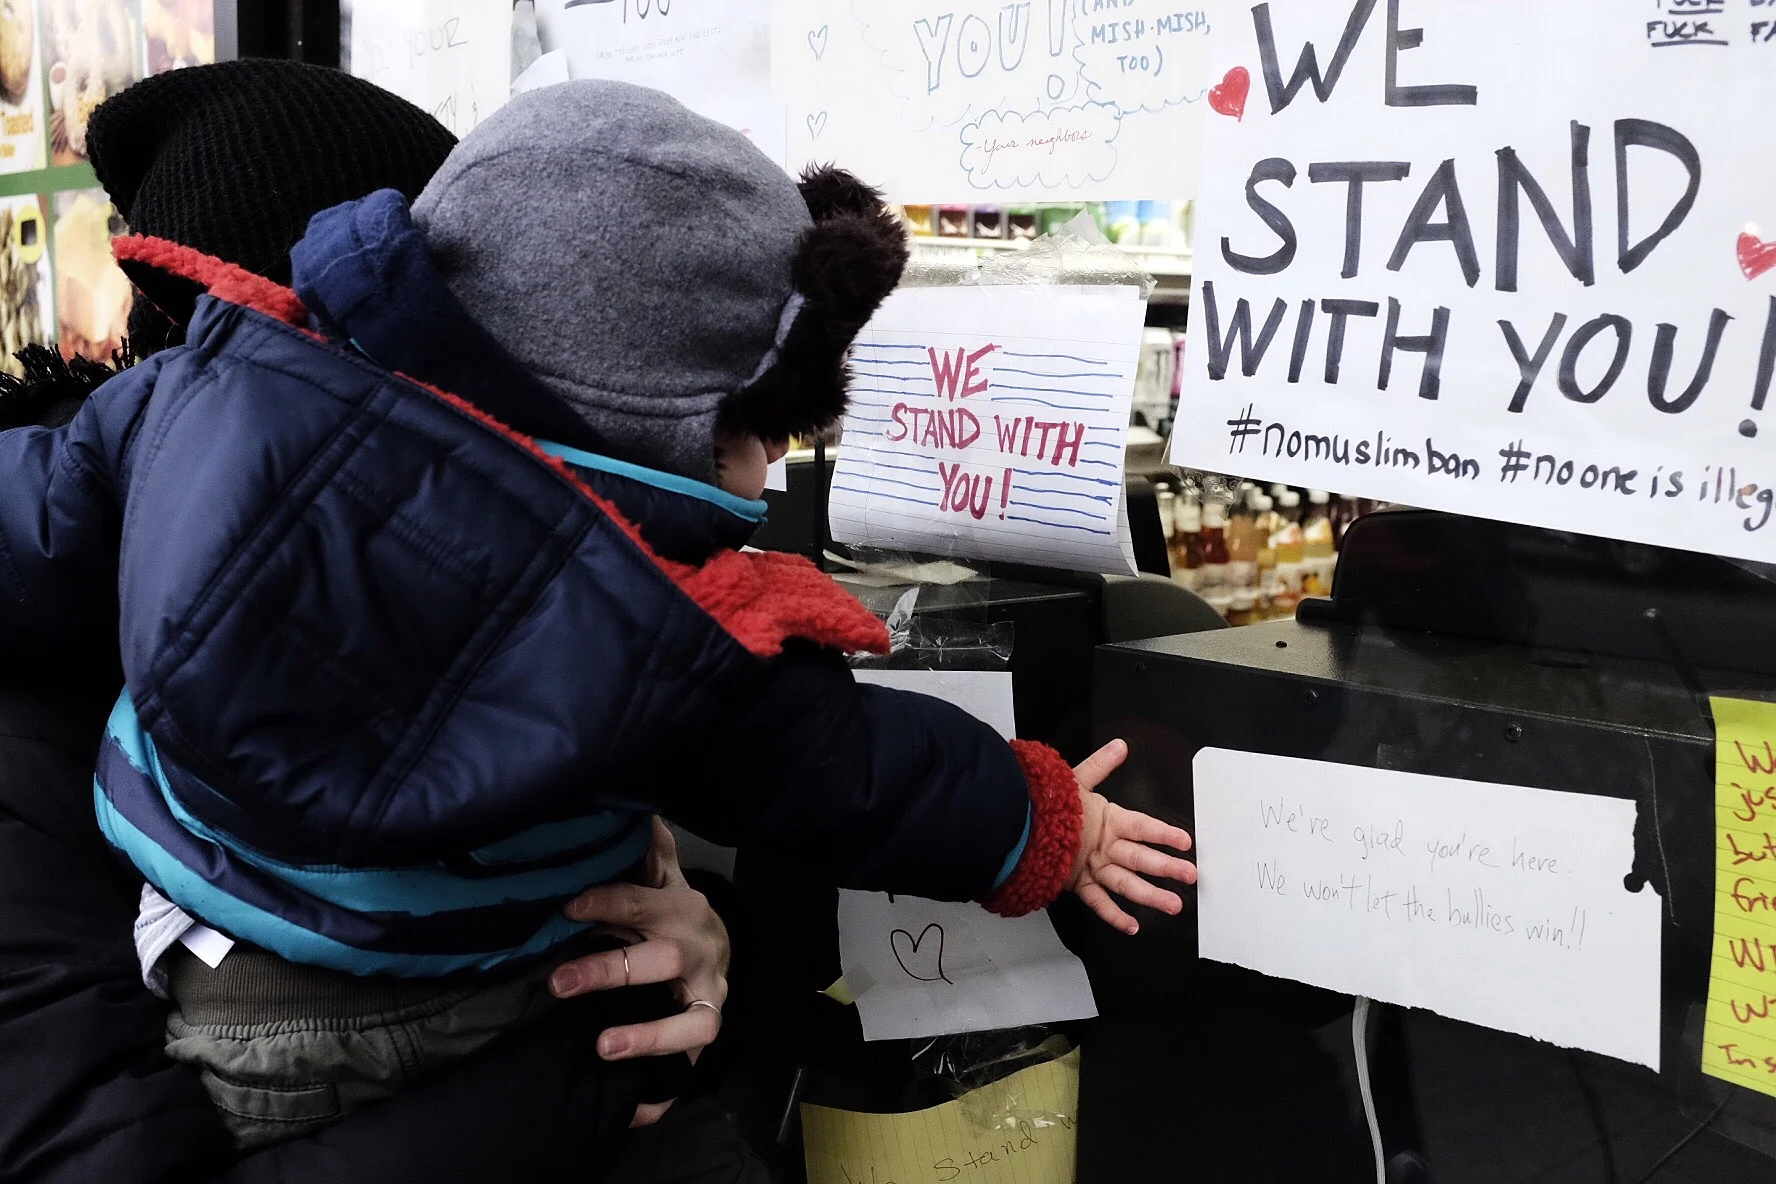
1448 263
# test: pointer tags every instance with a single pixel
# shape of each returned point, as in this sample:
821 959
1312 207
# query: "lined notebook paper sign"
991 423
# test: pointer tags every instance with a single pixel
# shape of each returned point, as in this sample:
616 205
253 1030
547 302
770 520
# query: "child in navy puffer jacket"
429 595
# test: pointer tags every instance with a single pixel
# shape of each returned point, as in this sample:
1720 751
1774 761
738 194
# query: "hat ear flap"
846 265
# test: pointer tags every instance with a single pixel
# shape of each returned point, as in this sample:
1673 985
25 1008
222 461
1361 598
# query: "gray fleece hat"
656 270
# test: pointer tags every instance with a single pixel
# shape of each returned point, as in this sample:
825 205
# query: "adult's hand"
680 940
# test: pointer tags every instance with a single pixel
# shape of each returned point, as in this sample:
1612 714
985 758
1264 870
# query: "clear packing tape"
920 642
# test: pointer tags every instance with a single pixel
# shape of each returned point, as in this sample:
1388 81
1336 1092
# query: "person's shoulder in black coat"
86 1090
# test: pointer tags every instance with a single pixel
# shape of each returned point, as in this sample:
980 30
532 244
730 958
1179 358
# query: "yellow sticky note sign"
1739 1040
1015 1131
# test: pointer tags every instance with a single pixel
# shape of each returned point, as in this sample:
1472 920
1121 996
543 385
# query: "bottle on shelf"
1158 223
1021 222
1053 216
1287 542
987 222
1264 514
1242 607
921 219
1186 549
1214 546
1317 545
1121 222
952 221
1242 547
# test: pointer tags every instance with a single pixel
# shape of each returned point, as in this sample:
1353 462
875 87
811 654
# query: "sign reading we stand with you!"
991 423
1501 259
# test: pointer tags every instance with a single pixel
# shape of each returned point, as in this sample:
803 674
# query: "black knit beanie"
234 159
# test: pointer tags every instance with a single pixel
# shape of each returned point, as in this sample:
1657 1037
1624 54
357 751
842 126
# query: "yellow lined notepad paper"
1015 1131
1740 1040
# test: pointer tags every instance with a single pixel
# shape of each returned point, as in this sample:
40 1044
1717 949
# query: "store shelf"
1170 266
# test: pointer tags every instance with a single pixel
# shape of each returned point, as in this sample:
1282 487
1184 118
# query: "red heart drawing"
1229 96
1755 255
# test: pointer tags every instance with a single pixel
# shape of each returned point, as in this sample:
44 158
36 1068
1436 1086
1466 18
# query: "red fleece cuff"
1058 814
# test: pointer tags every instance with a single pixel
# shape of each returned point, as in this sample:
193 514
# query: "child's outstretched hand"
1113 849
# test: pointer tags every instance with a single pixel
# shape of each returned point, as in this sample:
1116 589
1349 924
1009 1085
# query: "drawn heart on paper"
926 966
1228 97
1755 255
816 124
817 41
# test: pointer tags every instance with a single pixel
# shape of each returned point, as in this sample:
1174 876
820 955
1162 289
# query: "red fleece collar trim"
223 280
1057 823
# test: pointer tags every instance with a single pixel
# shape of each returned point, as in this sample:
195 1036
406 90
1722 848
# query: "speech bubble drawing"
951 60
1144 55
1064 148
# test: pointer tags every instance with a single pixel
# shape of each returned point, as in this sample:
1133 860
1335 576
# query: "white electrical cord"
1360 1046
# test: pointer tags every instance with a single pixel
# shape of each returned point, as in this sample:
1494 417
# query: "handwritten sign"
1015 1131
978 100
1739 1044
1495 904
451 57
1501 259
714 56
992 423
927 968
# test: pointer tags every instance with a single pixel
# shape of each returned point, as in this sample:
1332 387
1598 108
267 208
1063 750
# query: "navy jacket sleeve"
880 789
60 523
87 1093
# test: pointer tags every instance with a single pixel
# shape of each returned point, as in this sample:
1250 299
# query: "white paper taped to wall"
1505 261
992 423
983 101
451 57
927 968
1495 904
714 56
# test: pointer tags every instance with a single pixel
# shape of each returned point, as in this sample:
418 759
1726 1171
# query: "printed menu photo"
24 279
21 88
93 50
92 293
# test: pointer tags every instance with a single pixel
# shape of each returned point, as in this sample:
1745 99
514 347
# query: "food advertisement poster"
21 88
92 293
24 278
93 49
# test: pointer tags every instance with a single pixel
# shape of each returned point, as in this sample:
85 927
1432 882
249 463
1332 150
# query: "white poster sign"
714 56
1495 904
981 101
991 423
927 968
1501 259
451 57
